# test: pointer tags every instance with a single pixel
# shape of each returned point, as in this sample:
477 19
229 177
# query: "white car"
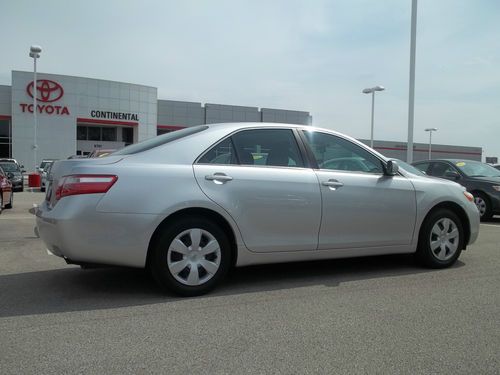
193 203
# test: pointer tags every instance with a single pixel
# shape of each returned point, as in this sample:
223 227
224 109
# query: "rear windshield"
159 140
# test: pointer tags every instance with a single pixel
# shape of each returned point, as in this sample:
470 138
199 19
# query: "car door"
360 208
259 177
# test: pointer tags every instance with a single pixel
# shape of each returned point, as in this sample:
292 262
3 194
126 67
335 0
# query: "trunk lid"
63 168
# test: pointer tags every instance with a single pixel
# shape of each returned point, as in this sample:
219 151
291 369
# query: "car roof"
233 126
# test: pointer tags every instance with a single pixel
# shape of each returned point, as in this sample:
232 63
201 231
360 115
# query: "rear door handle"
332 184
218 178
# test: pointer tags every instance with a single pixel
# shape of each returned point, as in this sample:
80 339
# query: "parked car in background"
409 168
45 174
480 179
99 153
43 164
14 172
212 204
6 192
496 166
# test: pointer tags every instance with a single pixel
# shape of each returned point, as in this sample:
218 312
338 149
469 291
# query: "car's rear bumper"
74 230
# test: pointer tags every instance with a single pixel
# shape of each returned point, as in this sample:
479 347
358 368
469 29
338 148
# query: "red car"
6 193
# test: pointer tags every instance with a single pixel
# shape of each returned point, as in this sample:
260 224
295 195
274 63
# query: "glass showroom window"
81 133
5 139
94 133
109 134
127 136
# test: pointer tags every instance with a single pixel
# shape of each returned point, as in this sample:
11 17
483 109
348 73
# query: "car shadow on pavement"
73 289
493 220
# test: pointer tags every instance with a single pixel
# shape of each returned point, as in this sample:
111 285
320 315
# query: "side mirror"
392 168
452 175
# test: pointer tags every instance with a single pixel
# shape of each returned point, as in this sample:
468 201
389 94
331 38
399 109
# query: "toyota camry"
236 194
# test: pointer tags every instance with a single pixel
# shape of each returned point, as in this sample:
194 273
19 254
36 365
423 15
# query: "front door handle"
218 178
332 184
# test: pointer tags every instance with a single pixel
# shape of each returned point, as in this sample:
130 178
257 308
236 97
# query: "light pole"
430 130
411 95
372 91
35 53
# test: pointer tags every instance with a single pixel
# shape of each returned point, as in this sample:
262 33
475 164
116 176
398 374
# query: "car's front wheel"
190 256
483 205
441 239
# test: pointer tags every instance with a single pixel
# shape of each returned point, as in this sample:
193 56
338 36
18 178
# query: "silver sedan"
191 204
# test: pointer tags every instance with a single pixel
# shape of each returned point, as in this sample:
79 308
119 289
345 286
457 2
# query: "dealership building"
77 115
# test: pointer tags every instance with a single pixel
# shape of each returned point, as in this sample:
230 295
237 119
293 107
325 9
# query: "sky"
314 55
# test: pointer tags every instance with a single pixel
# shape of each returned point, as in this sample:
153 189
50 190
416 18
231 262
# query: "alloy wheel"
444 239
193 257
481 205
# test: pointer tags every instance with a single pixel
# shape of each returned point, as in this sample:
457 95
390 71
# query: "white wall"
57 133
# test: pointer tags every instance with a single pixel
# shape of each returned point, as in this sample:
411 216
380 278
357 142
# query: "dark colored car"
480 179
14 173
497 166
6 193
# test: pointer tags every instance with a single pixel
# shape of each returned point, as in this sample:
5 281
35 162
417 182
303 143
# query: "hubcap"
444 239
480 204
193 257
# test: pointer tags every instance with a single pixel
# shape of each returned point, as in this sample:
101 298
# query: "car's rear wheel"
190 257
441 239
483 205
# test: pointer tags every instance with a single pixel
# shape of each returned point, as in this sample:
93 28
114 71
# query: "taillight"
84 184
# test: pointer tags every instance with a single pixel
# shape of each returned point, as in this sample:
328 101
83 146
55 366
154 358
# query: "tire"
172 250
11 202
483 205
437 246
42 189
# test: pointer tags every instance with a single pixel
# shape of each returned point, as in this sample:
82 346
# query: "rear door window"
267 147
222 153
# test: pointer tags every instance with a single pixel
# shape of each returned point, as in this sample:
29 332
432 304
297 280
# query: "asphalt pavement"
381 315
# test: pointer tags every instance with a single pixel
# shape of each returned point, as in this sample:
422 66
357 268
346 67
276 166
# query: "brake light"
84 184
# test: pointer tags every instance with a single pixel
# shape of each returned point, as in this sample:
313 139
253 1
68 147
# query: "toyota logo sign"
47 91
